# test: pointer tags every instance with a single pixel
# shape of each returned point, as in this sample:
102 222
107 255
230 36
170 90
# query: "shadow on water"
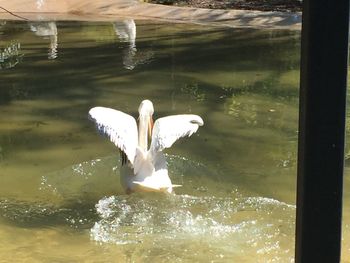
87 71
36 215
83 72
244 83
238 80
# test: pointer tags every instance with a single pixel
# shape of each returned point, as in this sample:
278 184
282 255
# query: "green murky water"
60 198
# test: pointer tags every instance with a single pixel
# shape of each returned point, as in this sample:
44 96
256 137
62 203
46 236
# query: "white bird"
143 168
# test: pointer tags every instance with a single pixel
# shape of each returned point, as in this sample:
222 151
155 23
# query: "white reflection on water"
10 56
126 32
47 30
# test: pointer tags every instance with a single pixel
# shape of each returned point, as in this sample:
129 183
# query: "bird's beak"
150 127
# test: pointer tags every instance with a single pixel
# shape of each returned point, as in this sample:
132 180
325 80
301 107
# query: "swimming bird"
144 168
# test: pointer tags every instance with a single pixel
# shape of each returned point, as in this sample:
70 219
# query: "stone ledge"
109 10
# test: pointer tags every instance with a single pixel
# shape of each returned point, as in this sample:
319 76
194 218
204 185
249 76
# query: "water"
60 198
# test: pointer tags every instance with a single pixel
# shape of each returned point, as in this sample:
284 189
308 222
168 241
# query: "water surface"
60 198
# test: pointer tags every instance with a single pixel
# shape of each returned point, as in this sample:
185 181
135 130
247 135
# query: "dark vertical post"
324 56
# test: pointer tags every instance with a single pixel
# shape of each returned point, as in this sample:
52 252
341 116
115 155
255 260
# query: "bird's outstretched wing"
168 130
120 128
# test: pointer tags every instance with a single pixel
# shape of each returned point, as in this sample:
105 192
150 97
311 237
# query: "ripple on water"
223 224
89 180
195 225
96 178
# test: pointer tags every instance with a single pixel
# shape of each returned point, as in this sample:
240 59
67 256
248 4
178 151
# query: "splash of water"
89 180
174 228
250 223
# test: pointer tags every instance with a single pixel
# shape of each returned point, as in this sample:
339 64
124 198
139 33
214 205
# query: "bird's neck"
143 132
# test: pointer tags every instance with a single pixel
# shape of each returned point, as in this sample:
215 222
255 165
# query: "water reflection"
10 56
126 32
2 23
47 30
39 214
246 84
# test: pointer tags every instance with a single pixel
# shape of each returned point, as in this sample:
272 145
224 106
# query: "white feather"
148 169
120 128
168 130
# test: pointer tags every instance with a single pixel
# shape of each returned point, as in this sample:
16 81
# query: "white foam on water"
222 225
246 223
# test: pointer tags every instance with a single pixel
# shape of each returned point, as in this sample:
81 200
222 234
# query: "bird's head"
146 112
146 108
